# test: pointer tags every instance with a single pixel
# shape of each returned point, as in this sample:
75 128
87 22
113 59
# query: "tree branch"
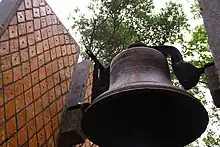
92 35
115 29
93 31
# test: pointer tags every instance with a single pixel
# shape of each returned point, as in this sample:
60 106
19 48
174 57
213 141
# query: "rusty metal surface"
70 129
136 66
142 107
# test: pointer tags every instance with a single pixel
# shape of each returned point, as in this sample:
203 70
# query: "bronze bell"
142 108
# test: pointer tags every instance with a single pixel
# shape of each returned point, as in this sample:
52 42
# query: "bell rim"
142 86
112 92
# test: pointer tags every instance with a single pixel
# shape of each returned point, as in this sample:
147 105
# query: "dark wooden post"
70 129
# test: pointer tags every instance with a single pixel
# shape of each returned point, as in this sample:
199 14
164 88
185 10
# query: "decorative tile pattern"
36 57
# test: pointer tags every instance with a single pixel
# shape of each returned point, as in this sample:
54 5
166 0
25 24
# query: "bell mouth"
144 116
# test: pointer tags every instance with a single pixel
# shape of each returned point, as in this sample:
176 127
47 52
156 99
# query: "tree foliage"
115 24
197 52
195 9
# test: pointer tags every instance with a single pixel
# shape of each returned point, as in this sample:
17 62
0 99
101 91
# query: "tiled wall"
37 60
88 93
